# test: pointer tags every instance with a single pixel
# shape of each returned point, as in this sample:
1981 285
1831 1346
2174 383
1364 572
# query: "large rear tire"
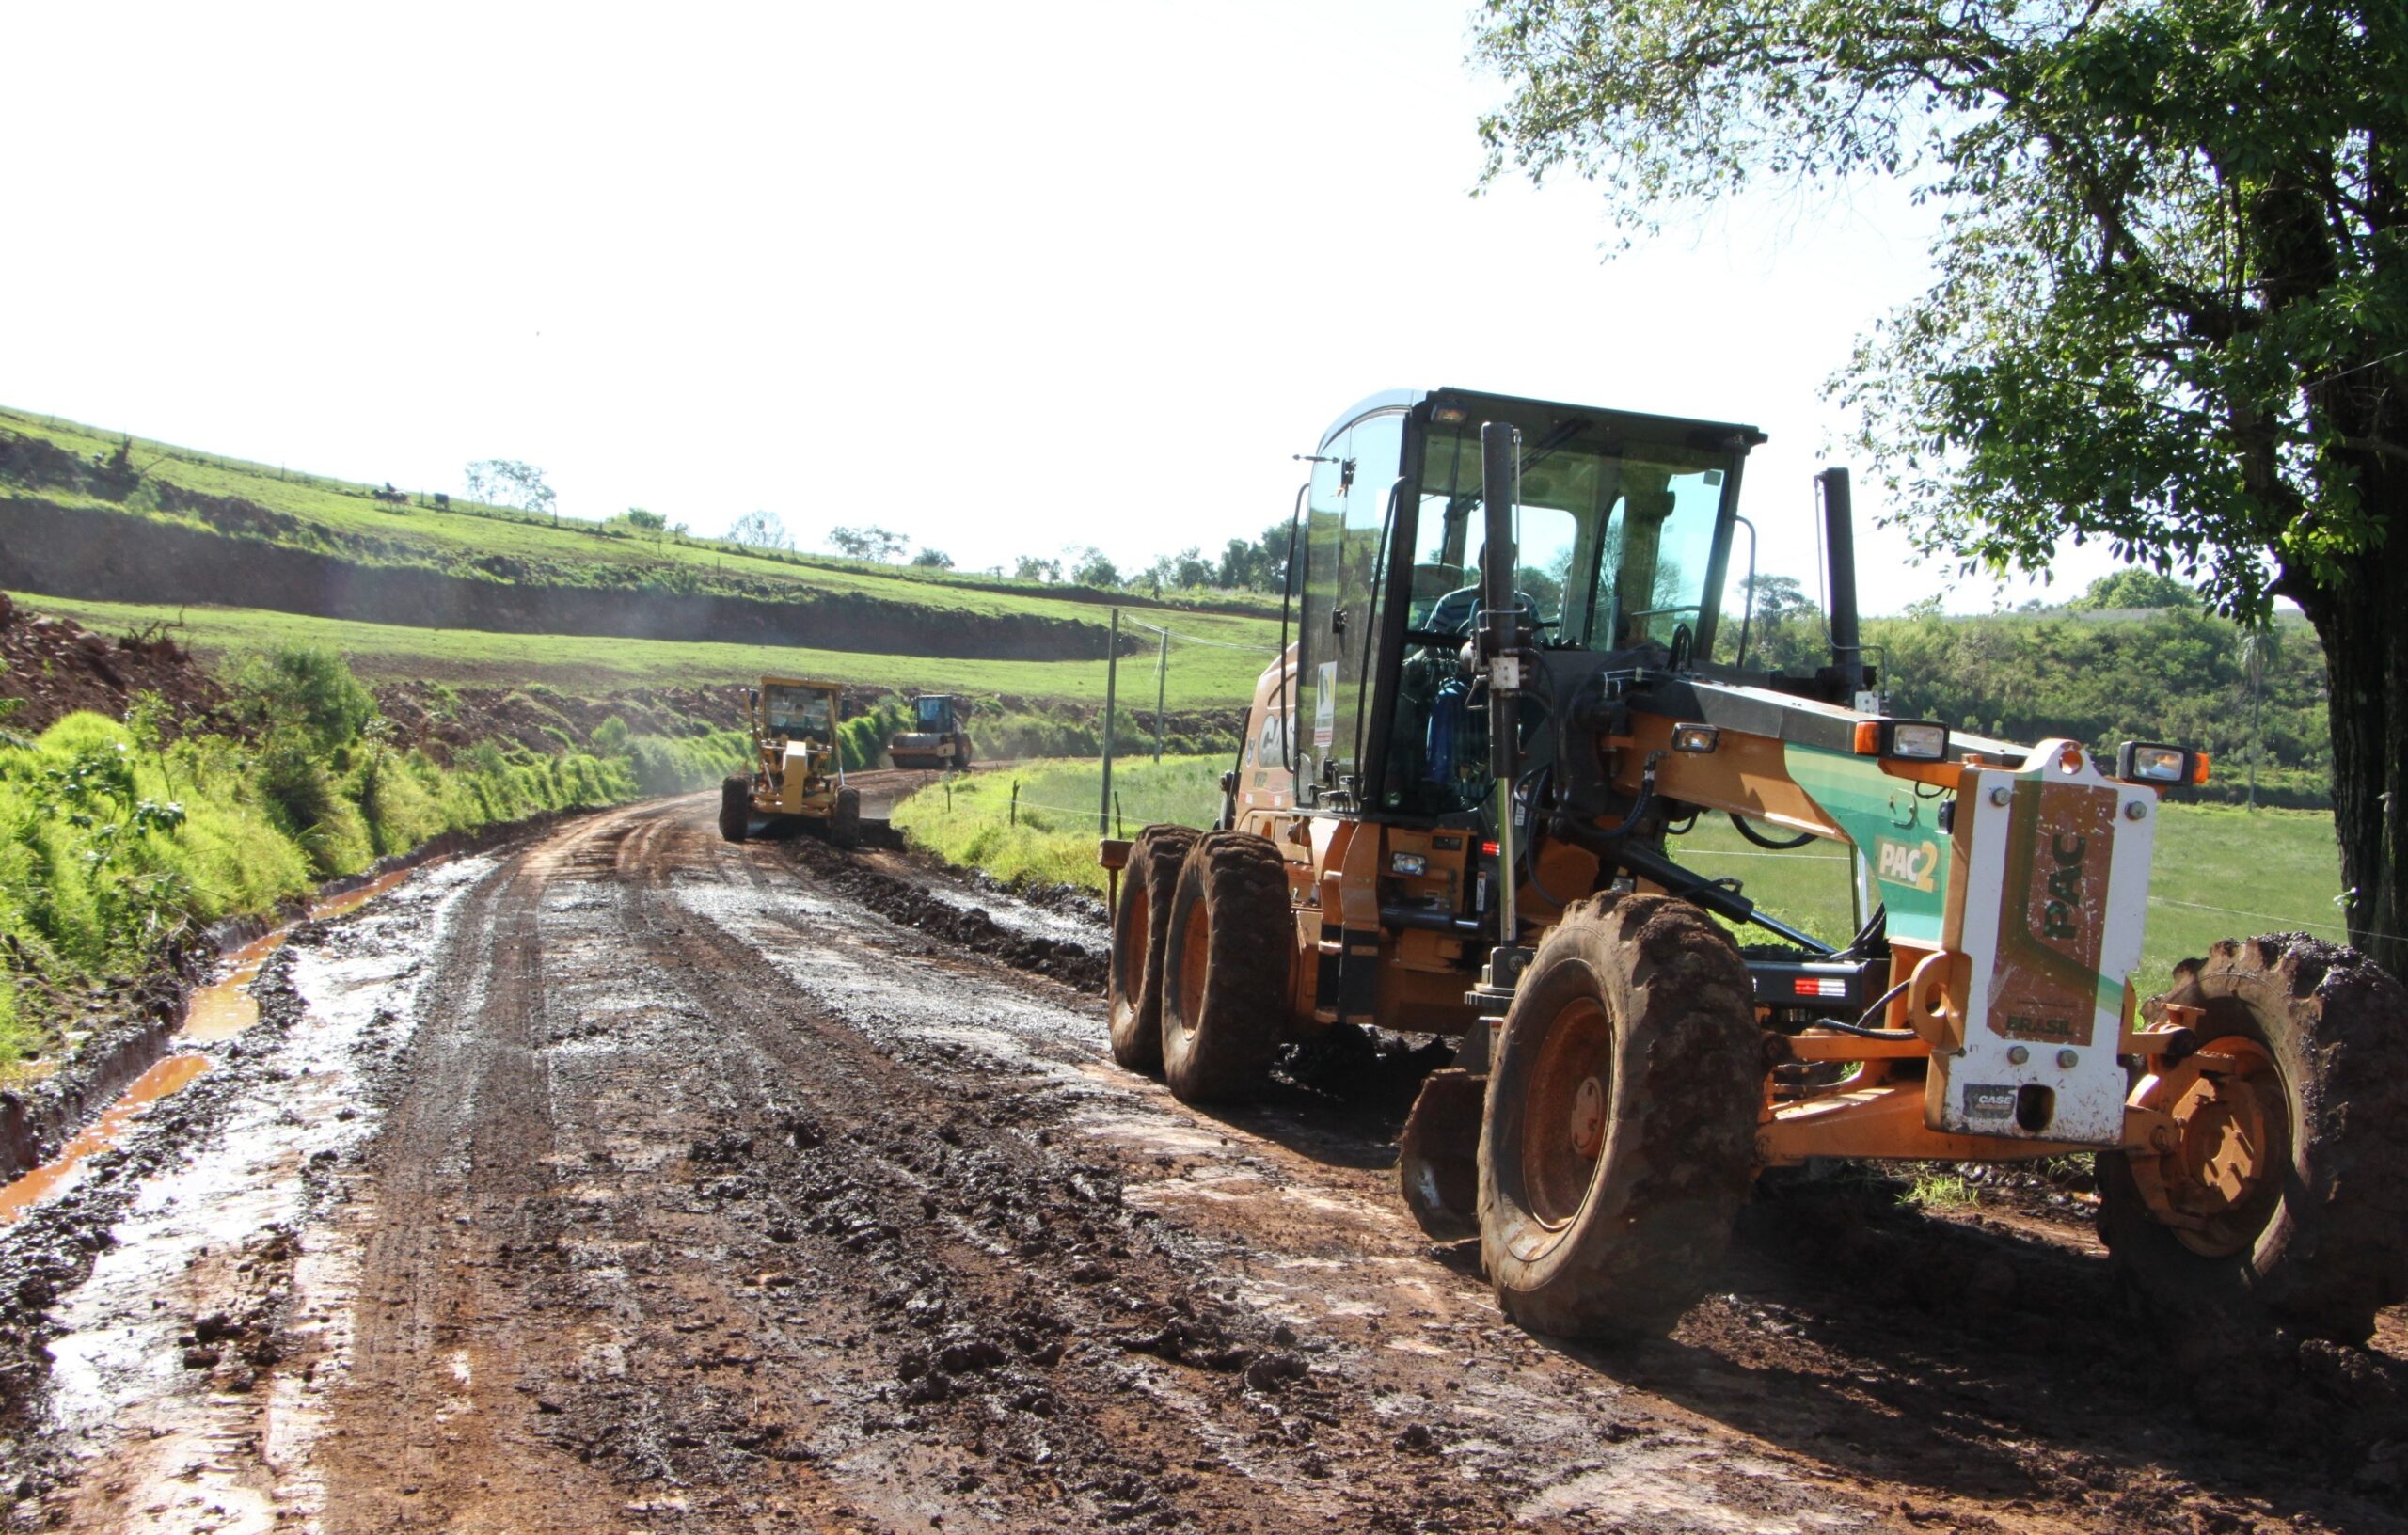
1619 1141
2281 1192
962 754
1224 968
1140 925
735 807
845 821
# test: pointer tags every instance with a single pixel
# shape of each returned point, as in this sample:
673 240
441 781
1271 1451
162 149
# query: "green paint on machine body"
1895 824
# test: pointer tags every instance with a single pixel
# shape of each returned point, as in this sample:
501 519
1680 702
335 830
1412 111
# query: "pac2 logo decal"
1908 864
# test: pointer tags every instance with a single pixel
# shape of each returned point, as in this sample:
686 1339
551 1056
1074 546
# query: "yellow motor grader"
1511 689
797 780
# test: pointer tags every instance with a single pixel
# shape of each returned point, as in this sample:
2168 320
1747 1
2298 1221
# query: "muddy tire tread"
1151 876
1689 1069
735 807
1225 1055
2335 1251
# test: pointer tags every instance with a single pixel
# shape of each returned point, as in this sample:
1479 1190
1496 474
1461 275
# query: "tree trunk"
2363 620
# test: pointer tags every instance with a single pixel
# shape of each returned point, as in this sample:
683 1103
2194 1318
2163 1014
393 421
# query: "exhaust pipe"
1839 543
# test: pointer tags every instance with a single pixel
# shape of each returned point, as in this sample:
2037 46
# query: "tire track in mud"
706 1199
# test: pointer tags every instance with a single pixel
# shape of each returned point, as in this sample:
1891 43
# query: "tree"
643 521
933 560
506 481
1090 566
760 531
2134 588
879 544
2172 303
1029 567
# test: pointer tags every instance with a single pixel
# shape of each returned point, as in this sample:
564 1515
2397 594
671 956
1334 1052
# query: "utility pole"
1111 690
1162 672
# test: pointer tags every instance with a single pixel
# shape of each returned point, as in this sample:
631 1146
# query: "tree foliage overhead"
2172 309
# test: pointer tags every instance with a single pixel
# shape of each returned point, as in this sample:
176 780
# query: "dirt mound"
914 905
55 667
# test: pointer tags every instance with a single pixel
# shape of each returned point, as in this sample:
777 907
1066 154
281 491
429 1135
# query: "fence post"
1111 700
1120 827
1015 801
1162 672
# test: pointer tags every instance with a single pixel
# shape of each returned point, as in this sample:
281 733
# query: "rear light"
1488 849
2155 762
1819 985
1915 740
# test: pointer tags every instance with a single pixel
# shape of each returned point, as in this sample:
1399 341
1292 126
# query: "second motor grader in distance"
798 777
1513 688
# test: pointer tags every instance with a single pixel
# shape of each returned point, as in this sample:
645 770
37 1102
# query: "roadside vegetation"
1048 836
122 838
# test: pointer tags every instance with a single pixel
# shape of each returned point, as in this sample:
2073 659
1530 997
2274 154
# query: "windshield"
932 712
797 713
1613 547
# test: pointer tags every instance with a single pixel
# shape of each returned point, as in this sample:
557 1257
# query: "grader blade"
1437 1162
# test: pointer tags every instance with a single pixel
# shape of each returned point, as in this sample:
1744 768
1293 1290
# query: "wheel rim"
1194 958
2215 1174
1564 1111
1136 925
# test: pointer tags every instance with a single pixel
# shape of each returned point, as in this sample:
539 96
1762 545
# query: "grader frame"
1624 1068
797 782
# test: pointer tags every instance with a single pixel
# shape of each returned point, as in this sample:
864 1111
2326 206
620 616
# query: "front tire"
1224 968
1619 1141
1140 926
2278 1192
845 821
735 807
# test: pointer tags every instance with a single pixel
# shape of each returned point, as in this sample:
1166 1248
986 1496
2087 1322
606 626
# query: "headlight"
1696 738
1412 865
1915 740
2154 762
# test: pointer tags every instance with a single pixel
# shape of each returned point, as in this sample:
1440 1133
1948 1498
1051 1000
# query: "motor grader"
936 738
1510 688
797 779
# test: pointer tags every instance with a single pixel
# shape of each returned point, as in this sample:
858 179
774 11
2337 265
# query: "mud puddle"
221 1011
161 1359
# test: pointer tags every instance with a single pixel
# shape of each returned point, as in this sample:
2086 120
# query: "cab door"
1349 513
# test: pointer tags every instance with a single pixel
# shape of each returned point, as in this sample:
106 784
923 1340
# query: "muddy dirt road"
628 1180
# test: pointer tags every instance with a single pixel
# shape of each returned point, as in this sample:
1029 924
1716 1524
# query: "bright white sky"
1007 279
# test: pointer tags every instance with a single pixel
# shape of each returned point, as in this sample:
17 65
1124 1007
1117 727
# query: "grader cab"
1512 687
797 779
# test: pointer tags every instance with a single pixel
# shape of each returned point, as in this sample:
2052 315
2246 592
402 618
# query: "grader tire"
735 807
1224 968
1620 1136
2289 1174
845 821
1140 925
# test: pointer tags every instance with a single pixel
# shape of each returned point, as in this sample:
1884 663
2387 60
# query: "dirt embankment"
56 666
246 554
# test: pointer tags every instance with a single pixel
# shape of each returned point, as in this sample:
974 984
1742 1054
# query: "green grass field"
2219 872
969 821
1200 676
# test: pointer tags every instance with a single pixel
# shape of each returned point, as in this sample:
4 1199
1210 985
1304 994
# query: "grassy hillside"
1199 678
484 543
